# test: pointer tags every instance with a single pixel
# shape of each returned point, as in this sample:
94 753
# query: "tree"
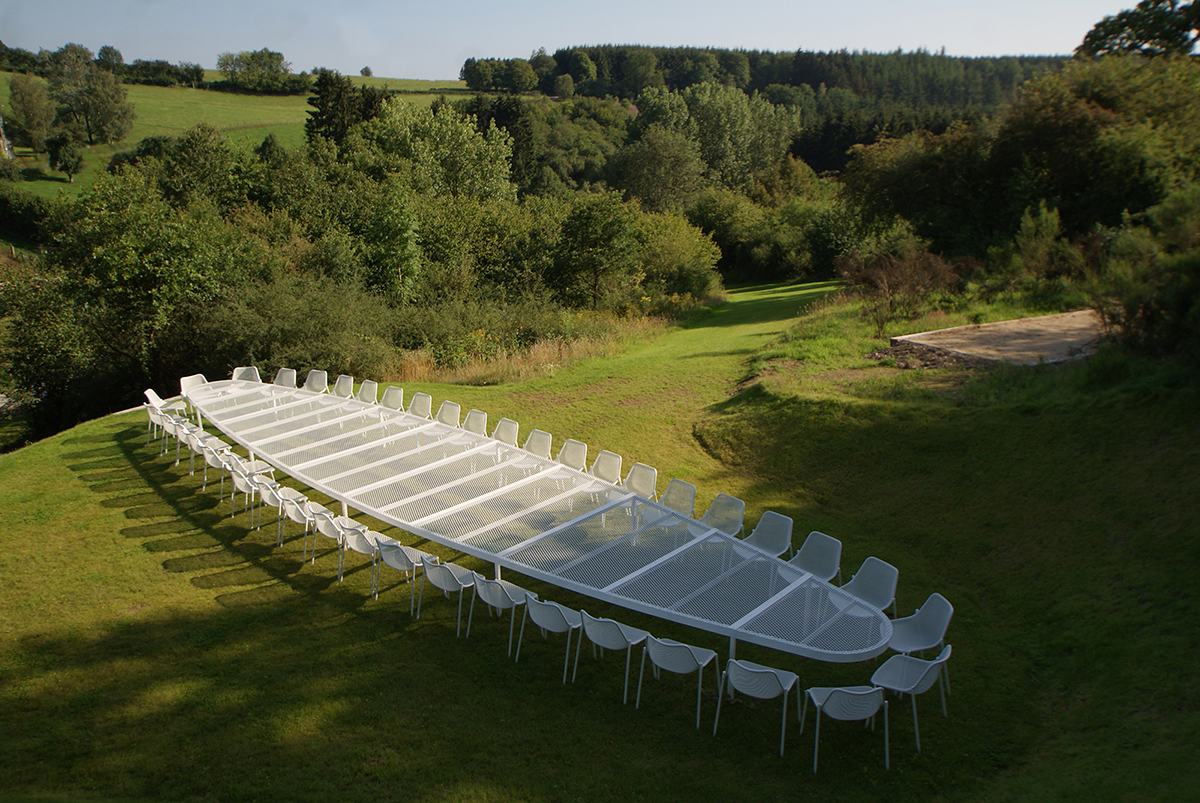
441 151
596 262
365 72
95 108
581 68
1153 28
110 59
336 107
65 156
261 71
662 169
564 86
31 111
519 76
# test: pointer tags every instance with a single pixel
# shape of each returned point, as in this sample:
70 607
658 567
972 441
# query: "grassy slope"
150 647
245 119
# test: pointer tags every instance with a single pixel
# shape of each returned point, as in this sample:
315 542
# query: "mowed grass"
152 647
170 111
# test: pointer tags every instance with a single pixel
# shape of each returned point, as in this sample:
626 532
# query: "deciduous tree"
31 111
1152 28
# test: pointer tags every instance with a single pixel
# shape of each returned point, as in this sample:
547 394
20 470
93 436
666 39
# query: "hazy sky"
403 39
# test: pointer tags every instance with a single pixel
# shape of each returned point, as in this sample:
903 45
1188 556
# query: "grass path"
646 403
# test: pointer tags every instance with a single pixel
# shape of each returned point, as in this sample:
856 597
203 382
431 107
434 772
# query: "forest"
622 183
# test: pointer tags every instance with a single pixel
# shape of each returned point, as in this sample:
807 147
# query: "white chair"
368 391
363 542
343 387
421 406
299 511
572 454
874 584
642 480
772 534
682 659
393 398
317 381
680 496
849 704
475 422
273 494
607 467
498 595
215 451
608 634
447 577
538 443
246 373
725 514
187 383
285 378
758 681
550 617
924 630
241 472
404 559
904 674
333 527
506 432
821 556
448 413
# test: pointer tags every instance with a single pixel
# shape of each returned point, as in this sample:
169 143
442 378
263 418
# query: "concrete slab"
1025 341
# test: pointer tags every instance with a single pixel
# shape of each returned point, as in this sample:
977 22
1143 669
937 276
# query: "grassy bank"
151 647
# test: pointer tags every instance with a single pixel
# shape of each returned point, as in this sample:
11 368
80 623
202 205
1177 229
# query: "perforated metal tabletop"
541 519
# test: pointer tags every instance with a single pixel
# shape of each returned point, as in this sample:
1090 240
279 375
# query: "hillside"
153 647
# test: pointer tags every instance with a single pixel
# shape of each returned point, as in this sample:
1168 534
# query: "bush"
21 213
896 285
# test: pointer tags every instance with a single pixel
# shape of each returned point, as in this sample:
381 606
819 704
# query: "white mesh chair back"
821 556
772 534
573 454
475 422
403 559
447 577
317 381
154 398
285 377
849 704
500 595
925 629
679 658
642 480
609 635
679 496
725 514
393 398
538 443
904 674
607 467
506 431
762 682
188 382
874 583
343 387
551 618
421 405
362 542
448 413
246 373
214 456
368 391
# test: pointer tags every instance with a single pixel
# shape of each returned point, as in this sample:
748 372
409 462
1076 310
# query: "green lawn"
169 111
151 647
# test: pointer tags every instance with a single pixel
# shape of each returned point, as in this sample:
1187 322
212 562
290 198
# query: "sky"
430 40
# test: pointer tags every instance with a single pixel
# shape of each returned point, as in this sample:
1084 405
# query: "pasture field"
169 111
153 647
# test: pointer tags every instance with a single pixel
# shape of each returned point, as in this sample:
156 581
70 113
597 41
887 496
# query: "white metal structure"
848 704
904 674
546 520
759 681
